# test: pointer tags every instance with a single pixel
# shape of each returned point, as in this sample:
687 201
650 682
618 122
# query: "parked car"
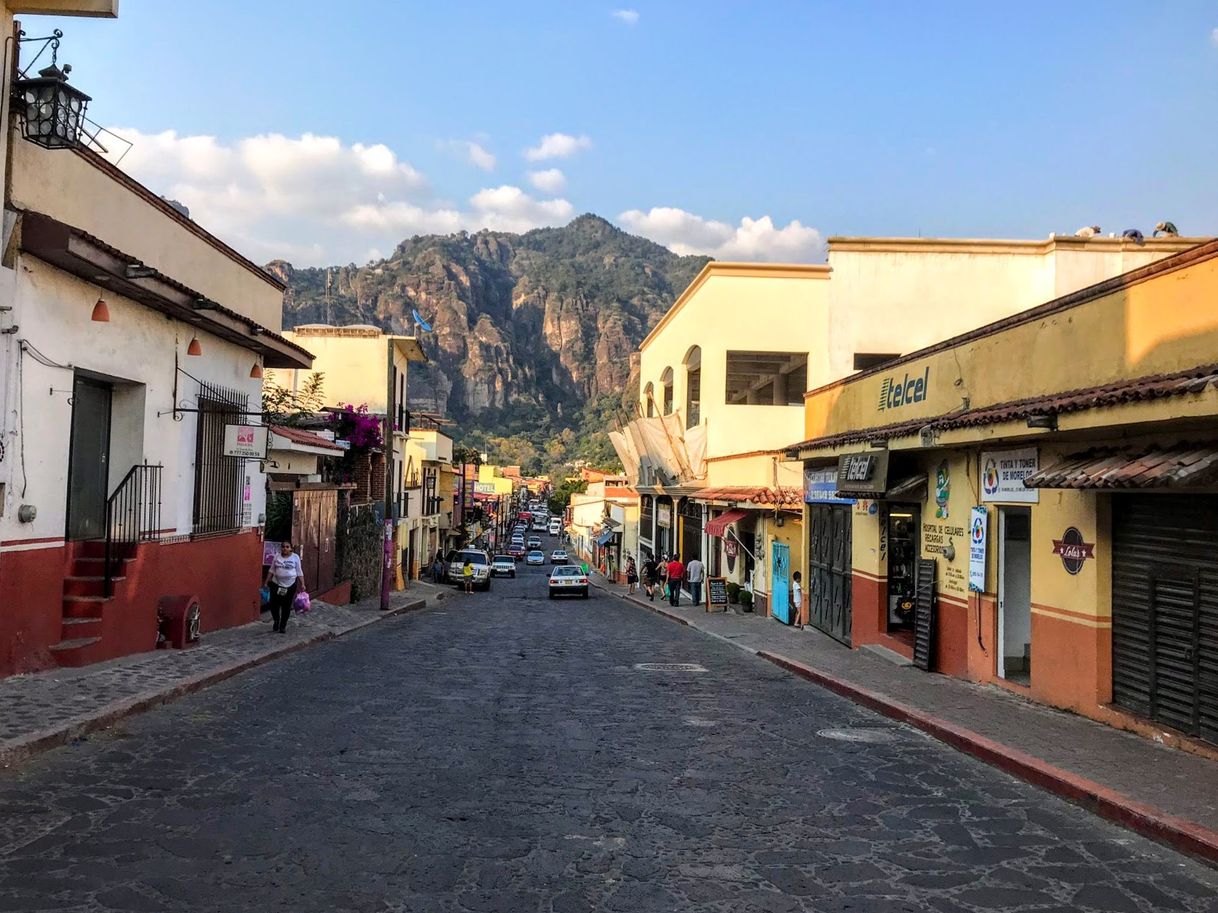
568 579
536 556
516 551
503 566
534 541
555 526
558 556
482 567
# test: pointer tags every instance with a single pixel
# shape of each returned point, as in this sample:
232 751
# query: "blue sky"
682 120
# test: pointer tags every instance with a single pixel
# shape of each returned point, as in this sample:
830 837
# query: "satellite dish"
420 322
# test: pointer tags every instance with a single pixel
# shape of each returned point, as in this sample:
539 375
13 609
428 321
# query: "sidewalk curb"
1178 833
19 750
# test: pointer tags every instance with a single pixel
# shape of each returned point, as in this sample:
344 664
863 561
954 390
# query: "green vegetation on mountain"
531 337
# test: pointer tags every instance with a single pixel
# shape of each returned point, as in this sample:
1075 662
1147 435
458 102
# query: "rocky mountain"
528 332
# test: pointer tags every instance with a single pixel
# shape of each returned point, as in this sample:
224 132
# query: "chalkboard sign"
716 592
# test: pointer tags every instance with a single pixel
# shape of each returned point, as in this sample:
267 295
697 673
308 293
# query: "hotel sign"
896 392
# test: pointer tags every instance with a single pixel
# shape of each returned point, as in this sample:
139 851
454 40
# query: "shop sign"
863 473
730 548
247 441
1003 472
820 487
896 392
1073 550
484 488
664 515
976 549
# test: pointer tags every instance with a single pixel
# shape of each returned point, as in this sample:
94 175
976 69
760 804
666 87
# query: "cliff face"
524 329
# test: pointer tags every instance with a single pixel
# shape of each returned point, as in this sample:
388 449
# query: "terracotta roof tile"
1154 386
305 437
1130 467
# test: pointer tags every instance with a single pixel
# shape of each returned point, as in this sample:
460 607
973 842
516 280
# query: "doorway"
1015 594
89 458
780 583
903 524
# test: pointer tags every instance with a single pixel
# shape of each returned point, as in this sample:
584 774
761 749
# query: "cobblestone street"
508 753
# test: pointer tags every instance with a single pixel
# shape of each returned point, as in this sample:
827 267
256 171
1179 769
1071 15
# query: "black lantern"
52 111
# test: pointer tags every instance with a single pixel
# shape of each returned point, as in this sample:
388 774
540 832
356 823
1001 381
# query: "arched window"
666 383
649 400
693 386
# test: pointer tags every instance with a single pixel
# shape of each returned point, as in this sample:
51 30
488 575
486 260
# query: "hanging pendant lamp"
194 348
256 371
101 311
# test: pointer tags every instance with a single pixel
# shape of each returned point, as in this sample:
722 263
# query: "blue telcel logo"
897 392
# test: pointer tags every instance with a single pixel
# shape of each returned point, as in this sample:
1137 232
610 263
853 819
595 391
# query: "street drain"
669 667
874 736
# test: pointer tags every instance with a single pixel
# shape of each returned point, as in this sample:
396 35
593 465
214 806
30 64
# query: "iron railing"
133 515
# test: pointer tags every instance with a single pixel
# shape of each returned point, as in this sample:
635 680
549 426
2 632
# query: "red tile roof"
1132 467
1154 386
743 494
306 438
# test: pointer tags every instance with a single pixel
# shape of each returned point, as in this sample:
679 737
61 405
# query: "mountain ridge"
532 335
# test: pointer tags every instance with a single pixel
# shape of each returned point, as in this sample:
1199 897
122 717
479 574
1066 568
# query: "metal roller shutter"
1165 609
830 569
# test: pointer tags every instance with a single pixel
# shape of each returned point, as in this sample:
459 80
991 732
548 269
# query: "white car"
536 556
558 556
479 560
503 566
568 578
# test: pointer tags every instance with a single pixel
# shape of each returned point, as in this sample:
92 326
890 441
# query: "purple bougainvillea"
354 425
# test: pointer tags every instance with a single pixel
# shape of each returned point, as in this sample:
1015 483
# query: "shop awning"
1181 466
910 489
605 538
719 525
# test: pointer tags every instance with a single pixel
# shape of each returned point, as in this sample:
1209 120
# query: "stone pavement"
505 753
1165 793
46 709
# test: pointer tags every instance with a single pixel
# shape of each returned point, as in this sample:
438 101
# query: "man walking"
695 572
676 571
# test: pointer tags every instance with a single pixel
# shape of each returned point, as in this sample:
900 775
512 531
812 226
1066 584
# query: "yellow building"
430 482
1058 467
723 372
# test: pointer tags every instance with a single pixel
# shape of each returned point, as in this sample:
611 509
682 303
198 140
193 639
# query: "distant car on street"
536 556
568 579
516 551
534 541
558 556
555 526
503 566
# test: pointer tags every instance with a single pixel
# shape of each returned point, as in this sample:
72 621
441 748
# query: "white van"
555 526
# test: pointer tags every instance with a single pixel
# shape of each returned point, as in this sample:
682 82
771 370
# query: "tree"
282 406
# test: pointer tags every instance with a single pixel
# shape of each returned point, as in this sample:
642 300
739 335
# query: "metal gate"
830 570
780 583
1165 609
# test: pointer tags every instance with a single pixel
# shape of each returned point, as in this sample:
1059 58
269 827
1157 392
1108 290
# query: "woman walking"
649 578
632 576
283 579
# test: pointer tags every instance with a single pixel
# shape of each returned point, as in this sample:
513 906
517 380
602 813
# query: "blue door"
780 582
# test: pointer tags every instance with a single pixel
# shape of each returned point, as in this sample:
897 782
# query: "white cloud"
557 146
753 239
472 152
1214 37
315 200
551 180
630 17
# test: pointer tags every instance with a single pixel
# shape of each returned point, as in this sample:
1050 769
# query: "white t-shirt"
797 594
285 571
693 571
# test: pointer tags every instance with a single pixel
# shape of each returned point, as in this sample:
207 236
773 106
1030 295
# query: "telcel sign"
897 392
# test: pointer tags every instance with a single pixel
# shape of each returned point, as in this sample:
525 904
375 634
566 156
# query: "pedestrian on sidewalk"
632 576
650 573
467 574
283 579
437 569
695 573
676 571
797 600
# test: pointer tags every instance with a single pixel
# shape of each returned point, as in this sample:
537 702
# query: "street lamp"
52 112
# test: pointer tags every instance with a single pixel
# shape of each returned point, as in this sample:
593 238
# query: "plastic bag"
266 595
302 603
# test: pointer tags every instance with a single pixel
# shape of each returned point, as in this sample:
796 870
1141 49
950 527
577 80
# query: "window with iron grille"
217 507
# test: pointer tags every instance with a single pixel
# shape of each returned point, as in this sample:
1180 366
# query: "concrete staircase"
85 601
